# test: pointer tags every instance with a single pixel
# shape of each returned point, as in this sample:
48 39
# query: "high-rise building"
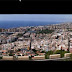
30 43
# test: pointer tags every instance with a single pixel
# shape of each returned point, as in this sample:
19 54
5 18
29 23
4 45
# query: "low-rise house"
26 35
20 39
0 52
41 54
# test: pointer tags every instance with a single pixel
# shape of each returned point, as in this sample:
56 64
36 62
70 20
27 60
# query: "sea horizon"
16 24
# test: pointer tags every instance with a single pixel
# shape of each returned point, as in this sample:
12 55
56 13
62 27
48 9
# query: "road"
58 59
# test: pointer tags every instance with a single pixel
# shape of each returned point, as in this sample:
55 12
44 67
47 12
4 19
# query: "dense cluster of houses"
24 45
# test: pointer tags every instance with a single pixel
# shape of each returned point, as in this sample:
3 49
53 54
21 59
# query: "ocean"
15 24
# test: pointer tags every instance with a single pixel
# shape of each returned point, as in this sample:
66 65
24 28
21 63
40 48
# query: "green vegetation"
18 50
13 54
0 57
71 56
36 54
0 30
69 59
70 30
28 29
10 54
20 35
47 54
62 52
43 52
30 57
34 50
0 53
46 31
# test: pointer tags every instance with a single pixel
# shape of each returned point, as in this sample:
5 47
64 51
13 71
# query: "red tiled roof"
27 52
41 53
4 50
4 53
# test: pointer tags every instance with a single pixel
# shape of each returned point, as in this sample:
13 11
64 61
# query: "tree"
43 52
34 50
48 53
30 57
0 30
10 54
19 49
46 31
46 56
0 57
20 35
61 52
71 56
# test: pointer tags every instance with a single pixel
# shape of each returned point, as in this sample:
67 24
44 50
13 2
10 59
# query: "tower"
30 43
68 44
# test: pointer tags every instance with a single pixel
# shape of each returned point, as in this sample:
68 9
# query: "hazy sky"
37 17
